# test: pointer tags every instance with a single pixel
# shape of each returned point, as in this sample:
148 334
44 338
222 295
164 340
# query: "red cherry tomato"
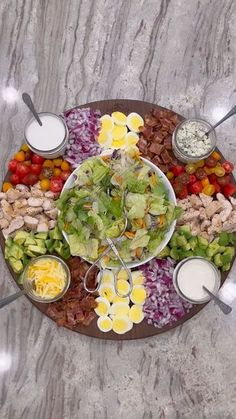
30 179
184 193
183 178
36 159
211 162
177 170
22 170
36 168
196 187
56 184
228 166
64 175
15 179
213 178
224 180
28 155
217 186
200 173
12 165
192 179
229 190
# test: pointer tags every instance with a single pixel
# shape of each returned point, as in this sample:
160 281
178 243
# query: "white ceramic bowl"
70 183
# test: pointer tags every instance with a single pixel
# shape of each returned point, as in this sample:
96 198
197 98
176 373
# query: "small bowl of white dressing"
49 140
191 274
190 142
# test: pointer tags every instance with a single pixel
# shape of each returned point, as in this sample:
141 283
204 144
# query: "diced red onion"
83 125
163 305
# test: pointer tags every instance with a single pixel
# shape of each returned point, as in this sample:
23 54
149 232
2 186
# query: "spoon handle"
228 115
28 101
7 300
224 307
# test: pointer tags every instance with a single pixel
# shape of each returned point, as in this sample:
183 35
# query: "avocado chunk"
185 231
37 249
217 260
181 241
173 240
174 253
193 242
202 242
164 253
42 236
20 237
55 234
16 265
16 251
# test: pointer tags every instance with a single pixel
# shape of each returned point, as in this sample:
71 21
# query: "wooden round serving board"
141 330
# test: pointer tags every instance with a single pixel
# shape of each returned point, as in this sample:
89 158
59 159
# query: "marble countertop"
177 53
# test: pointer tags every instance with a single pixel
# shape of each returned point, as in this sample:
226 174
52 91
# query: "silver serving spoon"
28 101
228 115
224 307
7 300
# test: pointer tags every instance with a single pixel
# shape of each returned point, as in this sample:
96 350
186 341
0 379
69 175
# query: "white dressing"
48 136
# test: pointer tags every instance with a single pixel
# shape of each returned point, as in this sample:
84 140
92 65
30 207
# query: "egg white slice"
121 324
107 277
103 306
134 121
136 314
119 309
131 139
137 277
123 287
107 291
105 139
107 123
119 118
138 295
104 323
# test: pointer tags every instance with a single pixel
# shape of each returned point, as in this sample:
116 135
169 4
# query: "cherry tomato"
183 178
28 155
36 168
47 172
192 179
12 165
212 178
169 175
15 179
56 184
177 170
199 163
65 166
20 156
216 155
211 162
224 180
57 172
6 186
219 171
27 163
24 147
57 162
48 163
209 190
36 159
229 190
217 186
64 175
209 171
205 182
200 173
184 193
22 170
228 166
30 179
196 187
45 184
190 168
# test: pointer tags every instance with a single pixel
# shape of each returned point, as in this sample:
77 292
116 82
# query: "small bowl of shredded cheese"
46 279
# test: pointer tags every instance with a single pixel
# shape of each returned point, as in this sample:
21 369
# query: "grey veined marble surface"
179 54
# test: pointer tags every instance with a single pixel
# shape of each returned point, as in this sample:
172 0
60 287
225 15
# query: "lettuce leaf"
141 239
157 206
136 203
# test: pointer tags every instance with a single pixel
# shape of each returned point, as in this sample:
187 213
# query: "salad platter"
119 165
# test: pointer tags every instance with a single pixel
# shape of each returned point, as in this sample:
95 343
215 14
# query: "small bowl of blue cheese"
190 141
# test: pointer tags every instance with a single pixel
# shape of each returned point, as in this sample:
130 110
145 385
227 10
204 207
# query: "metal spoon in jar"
223 306
28 101
228 115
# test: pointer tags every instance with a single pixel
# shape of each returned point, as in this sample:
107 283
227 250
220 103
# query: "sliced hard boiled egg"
104 138
107 123
118 143
123 287
131 138
118 132
137 277
136 314
138 294
104 323
122 299
119 118
134 121
121 324
119 309
122 274
103 306
107 291
107 277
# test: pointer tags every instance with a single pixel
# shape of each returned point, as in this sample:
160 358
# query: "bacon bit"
138 252
129 234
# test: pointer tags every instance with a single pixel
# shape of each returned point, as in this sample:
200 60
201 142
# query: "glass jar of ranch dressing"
50 139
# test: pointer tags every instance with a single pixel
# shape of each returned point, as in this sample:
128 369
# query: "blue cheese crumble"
192 141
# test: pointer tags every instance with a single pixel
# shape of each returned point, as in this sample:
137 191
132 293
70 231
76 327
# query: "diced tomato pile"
29 168
208 176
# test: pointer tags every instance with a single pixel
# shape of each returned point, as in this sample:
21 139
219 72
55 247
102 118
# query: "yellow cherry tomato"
65 166
216 155
190 168
57 162
209 170
219 171
45 184
209 190
24 147
6 186
199 163
205 182
48 163
19 156
56 171
170 175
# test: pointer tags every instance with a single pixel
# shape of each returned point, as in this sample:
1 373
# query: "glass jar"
49 140
183 155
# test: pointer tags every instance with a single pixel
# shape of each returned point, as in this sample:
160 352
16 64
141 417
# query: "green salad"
116 196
